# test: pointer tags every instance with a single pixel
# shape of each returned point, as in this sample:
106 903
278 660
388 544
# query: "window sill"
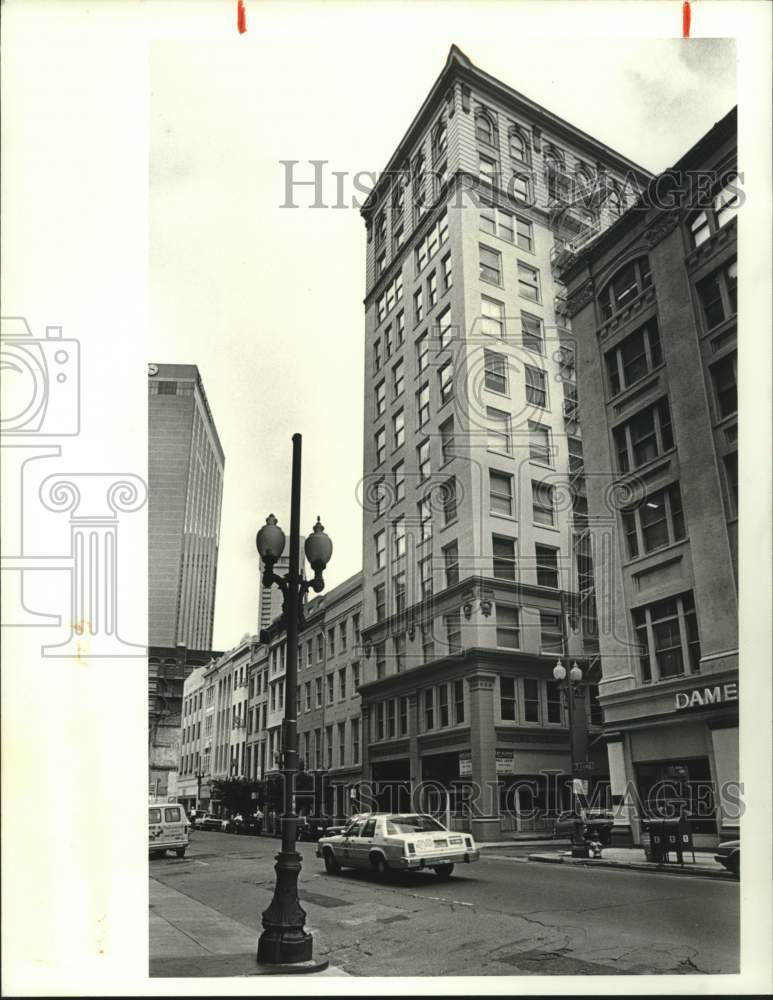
494 284
449 525
503 517
500 454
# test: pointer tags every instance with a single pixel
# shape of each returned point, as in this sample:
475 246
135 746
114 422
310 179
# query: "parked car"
168 829
248 824
598 825
729 855
210 822
382 842
312 828
196 816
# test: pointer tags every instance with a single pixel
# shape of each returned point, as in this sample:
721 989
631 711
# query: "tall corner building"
185 472
477 574
654 305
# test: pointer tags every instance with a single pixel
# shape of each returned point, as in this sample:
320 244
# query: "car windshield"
413 824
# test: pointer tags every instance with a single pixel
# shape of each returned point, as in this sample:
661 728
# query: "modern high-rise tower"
476 565
185 472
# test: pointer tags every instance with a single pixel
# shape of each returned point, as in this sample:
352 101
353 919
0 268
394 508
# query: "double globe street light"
572 688
285 946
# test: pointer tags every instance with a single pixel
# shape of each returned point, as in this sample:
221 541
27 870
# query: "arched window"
485 128
519 146
614 202
439 139
583 181
630 281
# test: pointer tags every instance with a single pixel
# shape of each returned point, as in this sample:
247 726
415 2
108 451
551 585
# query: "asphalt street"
503 915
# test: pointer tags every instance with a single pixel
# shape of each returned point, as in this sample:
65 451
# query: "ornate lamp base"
285 946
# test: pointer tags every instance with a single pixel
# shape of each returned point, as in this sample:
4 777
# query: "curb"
557 859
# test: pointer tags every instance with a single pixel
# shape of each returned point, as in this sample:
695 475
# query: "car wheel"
180 852
331 865
380 866
444 871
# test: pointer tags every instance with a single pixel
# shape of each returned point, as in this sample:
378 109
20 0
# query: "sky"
267 300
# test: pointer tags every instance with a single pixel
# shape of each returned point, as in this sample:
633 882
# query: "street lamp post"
285 945
572 688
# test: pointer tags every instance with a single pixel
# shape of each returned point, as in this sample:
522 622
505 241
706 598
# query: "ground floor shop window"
665 787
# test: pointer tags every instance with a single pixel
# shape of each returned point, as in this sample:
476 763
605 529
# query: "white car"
382 842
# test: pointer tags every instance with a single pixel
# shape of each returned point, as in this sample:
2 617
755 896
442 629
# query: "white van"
168 828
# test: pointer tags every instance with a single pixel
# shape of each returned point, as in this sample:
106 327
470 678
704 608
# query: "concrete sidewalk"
188 938
635 858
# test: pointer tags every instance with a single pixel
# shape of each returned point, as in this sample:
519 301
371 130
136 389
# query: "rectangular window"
726 203
453 632
355 676
718 295
498 425
504 557
399 479
539 443
524 235
458 702
492 317
731 473
342 683
724 375
431 243
398 429
532 334
331 641
380 445
495 369
379 596
449 500
658 521
418 306
380 721
551 637
448 279
398 537
487 169
501 493
398 379
528 282
400 328
507 699
699 229
391 721
342 635
425 518
634 357
403 717
423 460
446 378
379 540
555 709
508 627
355 741
307 695
444 329
542 503
341 744
380 660
425 575
644 437
490 265
398 583
444 716
451 563
530 700
318 692
520 187
429 708
447 440
547 565
432 290
536 387
667 633
422 353
422 404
